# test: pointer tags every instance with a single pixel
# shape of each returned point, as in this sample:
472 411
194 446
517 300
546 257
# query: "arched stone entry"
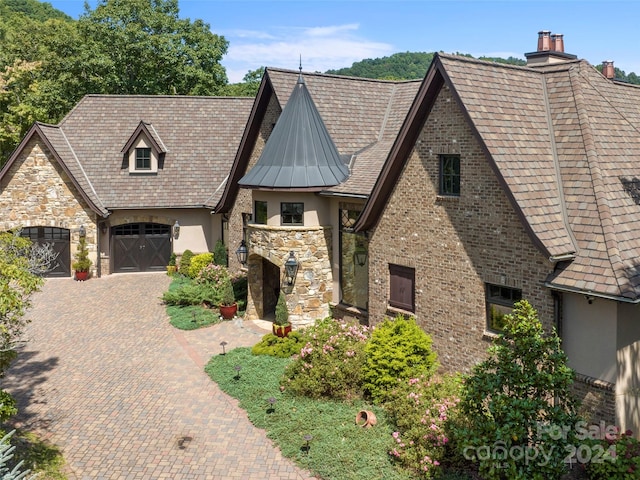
271 289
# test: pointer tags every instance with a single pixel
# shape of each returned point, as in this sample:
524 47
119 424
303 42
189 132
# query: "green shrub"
398 350
226 295
191 294
524 384
185 262
613 458
198 262
282 311
240 289
283 347
421 409
172 259
220 254
330 364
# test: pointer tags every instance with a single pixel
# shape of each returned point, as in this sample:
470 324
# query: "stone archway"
271 289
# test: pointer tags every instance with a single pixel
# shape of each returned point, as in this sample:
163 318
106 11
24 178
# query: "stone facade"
309 297
455 244
36 191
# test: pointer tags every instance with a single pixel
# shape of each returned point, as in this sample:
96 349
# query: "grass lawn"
41 457
338 449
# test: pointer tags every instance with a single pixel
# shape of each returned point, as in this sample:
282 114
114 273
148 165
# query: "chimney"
607 69
544 40
550 50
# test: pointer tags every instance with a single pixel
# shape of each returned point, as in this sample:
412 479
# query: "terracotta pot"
281 330
228 311
82 276
366 418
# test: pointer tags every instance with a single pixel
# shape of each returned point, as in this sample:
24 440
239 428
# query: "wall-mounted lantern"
242 253
176 230
82 231
103 228
360 255
291 268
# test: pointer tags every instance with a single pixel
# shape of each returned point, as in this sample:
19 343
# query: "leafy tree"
520 413
148 49
249 85
399 66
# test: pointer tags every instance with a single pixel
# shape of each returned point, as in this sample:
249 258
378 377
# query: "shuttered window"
402 282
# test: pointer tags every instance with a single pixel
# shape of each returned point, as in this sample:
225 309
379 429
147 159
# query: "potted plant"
281 326
228 305
171 267
82 264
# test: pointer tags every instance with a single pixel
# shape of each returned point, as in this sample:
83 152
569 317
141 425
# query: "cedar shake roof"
198 137
565 143
362 117
299 153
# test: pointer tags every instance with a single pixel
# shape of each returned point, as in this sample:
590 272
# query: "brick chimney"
607 69
550 50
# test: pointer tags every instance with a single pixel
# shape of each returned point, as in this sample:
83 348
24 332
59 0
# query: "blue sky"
331 34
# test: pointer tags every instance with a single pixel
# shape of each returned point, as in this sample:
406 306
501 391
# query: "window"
143 159
354 271
292 213
402 282
260 212
500 302
450 175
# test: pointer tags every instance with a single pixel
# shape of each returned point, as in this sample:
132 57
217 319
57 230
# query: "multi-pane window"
292 213
354 272
143 158
450 175
402 293
500 302
260 212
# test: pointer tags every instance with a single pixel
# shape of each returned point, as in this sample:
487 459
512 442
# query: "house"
138 175
484 184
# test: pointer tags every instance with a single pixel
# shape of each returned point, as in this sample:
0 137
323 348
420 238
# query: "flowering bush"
330 364
198 262
213 275
421 409
615 458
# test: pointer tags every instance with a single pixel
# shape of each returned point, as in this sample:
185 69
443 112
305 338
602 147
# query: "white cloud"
321 48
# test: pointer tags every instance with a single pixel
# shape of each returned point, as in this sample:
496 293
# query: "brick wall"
37 192
597 398
455 244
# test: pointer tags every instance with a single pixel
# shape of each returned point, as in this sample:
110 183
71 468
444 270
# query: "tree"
521 416
248 87
148 49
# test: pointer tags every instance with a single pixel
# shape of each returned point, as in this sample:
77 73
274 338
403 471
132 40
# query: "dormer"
144 152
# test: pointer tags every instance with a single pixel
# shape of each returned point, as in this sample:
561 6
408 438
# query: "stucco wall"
589 336
37 192
628 380
455 244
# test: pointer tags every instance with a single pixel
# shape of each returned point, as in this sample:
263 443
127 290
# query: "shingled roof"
564 142
362 117
198 136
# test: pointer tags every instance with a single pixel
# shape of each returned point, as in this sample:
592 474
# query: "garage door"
140 247
59 239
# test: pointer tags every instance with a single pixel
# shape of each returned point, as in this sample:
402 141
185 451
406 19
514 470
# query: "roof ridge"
343 77
527 68
387 112
602 204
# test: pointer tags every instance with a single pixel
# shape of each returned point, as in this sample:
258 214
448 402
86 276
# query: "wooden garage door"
59 239
140 247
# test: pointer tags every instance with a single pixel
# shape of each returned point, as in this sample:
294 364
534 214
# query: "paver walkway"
124 395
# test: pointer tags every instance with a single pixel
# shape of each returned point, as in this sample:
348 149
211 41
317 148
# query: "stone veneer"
36 191
311 293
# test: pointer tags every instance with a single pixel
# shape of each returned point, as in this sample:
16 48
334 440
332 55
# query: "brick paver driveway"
107 379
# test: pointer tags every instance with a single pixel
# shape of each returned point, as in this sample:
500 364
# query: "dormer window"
144 151
143 158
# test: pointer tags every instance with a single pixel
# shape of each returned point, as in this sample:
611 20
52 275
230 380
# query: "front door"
140 247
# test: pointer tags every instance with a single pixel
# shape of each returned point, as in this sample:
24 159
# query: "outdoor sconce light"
103 228
82 231
242 253
176 230
291 268
360 255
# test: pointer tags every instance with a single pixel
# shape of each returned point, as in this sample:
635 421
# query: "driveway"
124 395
